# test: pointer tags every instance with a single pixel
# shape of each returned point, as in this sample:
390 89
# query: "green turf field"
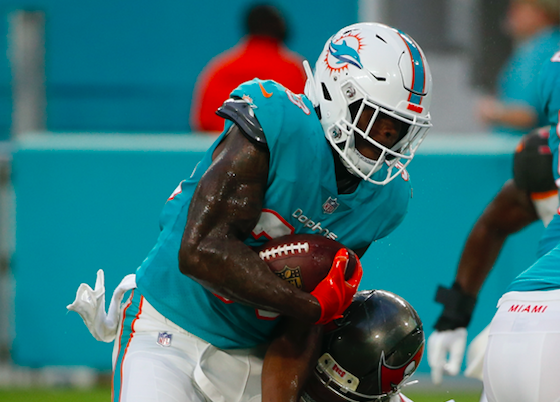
460 396
55 395
104 395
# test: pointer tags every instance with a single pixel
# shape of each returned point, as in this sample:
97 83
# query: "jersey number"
296 100
178 190
271 225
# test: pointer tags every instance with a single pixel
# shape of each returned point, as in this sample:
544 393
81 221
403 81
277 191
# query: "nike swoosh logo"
265 94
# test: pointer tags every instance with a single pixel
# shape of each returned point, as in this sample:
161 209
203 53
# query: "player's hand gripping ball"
304 260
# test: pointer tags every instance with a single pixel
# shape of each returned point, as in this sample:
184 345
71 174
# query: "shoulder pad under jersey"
241 113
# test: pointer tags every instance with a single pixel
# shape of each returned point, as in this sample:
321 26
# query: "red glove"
333 293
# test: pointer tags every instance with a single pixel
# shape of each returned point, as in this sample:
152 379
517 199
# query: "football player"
330 162
367 355
523 341
531 195
524 336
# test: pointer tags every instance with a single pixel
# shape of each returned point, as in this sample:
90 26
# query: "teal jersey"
301 197
517 81
544 275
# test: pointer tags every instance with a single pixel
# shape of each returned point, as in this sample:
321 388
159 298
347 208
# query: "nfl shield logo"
330 205
292 275
164 339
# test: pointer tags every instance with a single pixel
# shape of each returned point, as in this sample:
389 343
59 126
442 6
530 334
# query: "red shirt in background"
255 57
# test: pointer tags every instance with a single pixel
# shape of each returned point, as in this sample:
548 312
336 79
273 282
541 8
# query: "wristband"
457 310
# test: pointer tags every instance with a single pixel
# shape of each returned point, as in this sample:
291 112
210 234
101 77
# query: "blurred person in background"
533 26
260 54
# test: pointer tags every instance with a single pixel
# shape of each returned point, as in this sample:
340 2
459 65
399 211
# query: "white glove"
90 304
440 344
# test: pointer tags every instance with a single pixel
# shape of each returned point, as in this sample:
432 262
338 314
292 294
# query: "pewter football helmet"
375 66
369 353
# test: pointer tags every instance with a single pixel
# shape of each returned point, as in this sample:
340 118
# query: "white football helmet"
371 65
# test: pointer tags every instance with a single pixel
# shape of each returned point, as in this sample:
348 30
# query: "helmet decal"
418 85
344 50
391 377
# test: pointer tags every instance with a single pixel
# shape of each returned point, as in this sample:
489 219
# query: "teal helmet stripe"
418 72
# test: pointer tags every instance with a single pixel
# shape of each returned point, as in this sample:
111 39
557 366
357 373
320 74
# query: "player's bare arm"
510 211
225 207
289 360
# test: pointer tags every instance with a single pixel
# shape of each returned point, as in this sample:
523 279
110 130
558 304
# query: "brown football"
304 260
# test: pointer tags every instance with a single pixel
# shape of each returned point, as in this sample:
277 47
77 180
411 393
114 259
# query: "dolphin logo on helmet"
345 54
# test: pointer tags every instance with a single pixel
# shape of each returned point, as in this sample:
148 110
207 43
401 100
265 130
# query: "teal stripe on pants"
130 314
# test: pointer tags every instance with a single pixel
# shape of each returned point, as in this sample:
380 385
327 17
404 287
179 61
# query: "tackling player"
528 312
205 303
367 355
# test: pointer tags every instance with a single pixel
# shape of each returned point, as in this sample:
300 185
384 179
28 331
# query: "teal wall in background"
5 80
93 201
83 204
129 66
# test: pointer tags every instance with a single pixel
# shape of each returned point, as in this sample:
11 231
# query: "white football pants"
522 361
155 360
